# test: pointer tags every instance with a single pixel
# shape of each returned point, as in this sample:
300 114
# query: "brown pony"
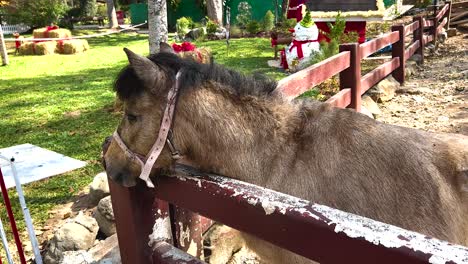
237 126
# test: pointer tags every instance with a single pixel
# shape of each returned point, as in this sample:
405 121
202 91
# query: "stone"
106 251
274 64
78 233
414 90
222 242
384 90
416 57
452 32
410 68
195 33
104 215
371 106
99 188
76 257
418 99
443 119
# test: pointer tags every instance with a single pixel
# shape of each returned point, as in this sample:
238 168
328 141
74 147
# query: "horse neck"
232 136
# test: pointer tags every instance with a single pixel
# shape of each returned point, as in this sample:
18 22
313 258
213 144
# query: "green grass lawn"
60 102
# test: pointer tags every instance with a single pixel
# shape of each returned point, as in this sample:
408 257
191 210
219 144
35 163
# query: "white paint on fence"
10 29
161 231
379 233
34 163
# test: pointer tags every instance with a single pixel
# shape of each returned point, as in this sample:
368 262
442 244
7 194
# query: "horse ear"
144 68
164 47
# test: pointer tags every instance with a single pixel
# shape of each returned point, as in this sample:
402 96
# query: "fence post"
3 50
188 231
351 77
398 50
448 14
418 34
136 211
434 31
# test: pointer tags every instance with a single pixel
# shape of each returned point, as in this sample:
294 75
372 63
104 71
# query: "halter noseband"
164 136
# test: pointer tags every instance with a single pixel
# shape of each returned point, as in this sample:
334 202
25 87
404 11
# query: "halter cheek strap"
158 146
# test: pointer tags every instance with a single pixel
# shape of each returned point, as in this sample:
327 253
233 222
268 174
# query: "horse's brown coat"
336 157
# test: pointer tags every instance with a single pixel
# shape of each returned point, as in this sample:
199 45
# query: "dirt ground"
435 98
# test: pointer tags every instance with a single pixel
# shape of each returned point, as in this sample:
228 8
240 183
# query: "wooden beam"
302 81
372 46
342 99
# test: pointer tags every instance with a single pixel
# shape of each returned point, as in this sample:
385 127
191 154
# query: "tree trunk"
3 51
113 23
215 10
157 24
284 8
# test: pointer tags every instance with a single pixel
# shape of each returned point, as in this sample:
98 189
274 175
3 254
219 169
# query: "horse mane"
193 75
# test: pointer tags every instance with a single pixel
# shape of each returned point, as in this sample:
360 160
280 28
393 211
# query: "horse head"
142 86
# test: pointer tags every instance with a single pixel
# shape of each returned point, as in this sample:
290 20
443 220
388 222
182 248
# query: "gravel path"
435 98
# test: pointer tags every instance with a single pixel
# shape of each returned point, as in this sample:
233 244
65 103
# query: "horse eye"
131 118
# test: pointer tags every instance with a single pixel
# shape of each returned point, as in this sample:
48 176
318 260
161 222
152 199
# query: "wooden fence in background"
300 226
347 63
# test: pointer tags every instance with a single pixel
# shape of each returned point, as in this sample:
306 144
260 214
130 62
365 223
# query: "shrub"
211 26
245 14
73 12
101 10
337 36
253 27
88 8
183 26
37 13
235 31
268 22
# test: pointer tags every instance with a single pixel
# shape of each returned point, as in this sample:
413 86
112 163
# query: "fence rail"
311 228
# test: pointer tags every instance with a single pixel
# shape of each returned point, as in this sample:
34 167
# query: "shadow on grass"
115 40
66 114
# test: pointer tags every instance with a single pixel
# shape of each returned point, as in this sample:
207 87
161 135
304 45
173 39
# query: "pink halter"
164 130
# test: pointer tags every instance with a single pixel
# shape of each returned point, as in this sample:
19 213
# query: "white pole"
5 243
27 216
3 51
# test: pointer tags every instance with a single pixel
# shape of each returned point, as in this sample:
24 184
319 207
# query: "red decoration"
284 62
185 46
298 45
50 28
17 43
295 9
274 42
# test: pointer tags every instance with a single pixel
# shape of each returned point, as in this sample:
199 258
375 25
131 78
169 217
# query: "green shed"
138 13
259 8
192 9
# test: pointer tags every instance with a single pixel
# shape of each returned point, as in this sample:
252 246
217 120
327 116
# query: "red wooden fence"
348 62
140 211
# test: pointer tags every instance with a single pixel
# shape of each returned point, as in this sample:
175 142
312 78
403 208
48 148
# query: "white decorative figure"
304 45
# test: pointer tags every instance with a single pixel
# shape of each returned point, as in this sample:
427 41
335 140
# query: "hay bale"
39 32
27 48
72 46
59 33
202 55
56 33
45 48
